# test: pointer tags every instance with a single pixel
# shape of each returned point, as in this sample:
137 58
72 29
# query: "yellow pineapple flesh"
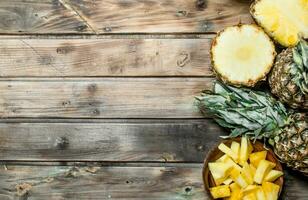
220 191
242 55
284 20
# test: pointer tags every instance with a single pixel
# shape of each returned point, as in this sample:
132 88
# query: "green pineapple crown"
246 112
300 70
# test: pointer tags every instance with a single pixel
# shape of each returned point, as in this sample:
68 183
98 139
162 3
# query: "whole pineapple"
289 76
258 115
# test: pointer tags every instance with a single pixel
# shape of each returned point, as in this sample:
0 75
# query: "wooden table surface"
97 98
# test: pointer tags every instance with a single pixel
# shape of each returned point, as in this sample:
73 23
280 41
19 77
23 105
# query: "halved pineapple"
242 55
284 20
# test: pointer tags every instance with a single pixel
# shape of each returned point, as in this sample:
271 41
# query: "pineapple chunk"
250 189
234 187
273 175
222 158
250 196
235 147
220 191
239 179
263 168
220 171
284 20
271 190
260 194
228 181
231 162
256 157
236 195
246 149
222 147
253 169
247 173
236 192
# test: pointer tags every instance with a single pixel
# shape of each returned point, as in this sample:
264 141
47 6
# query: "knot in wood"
181 13
23 189
61 142
184 58
107 29
201 4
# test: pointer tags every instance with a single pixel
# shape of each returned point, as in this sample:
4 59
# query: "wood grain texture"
161 16
104 57
102 98
119 16
155 140
39 16
57 183
177 182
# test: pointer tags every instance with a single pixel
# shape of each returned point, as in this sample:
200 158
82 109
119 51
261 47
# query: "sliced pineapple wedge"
263 169
247 173
245 151
271 190
273 175
256 157
220 171
242 55
220 191
285 20
241 173
222 147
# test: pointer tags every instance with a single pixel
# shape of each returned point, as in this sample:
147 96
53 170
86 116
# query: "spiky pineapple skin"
291 145
280 80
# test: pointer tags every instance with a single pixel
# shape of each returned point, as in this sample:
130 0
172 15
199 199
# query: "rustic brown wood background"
96 98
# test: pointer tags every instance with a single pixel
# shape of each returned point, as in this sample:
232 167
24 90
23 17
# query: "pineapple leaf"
244 111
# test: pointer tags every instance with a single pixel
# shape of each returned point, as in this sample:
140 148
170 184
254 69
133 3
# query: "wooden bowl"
216 153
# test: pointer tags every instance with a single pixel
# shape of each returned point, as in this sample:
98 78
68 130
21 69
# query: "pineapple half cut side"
242 55
284 20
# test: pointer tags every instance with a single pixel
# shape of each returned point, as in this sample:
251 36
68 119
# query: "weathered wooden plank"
39 16
101 183
118 16
157 16
155 140
102 98
178 182
104 57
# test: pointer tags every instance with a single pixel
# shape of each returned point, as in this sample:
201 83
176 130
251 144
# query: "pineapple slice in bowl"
233 179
